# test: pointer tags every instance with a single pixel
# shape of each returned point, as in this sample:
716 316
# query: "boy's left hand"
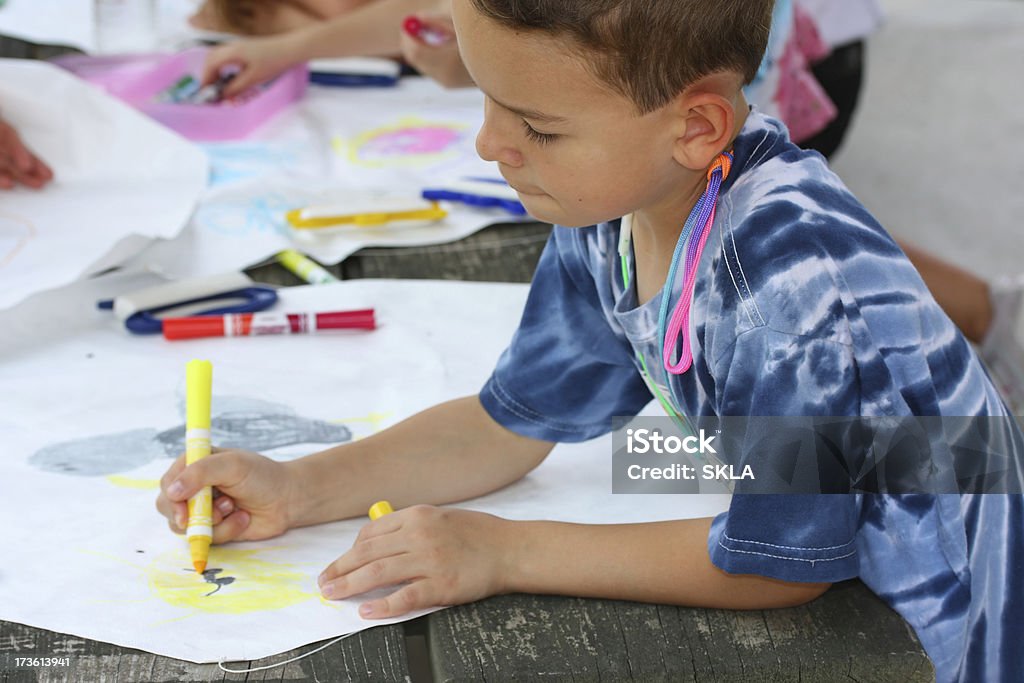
444 556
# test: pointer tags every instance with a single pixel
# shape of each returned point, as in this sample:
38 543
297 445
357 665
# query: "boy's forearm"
658 562
373 30
451 452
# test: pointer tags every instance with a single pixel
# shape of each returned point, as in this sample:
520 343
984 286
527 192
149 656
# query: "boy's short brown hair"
649 50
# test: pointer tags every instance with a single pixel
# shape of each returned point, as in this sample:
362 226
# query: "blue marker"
354 72
483 193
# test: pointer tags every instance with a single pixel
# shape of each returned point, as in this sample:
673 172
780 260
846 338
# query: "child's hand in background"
253 501
434 53
445 557
257 60
18 165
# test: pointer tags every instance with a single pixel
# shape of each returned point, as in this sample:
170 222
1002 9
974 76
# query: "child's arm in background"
435 53
448 453
371 30
18 165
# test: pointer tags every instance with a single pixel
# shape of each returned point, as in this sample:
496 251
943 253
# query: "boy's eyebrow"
528 113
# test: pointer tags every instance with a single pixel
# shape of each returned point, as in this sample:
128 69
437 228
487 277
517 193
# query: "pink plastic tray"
138 79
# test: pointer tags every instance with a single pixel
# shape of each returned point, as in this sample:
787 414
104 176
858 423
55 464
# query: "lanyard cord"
703 214
701 218
625 232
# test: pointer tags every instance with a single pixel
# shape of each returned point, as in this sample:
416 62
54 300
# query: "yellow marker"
306 268
379 509
304 219
198 394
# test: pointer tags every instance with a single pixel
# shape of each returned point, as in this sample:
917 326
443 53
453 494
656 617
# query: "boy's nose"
491 145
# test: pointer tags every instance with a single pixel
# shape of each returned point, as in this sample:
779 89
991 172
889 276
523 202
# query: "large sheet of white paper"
121 180
92 416
338 146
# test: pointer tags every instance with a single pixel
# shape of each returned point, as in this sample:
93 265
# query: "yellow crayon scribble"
375 420
131 483
256 585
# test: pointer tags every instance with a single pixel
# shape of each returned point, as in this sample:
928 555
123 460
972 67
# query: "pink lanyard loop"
694 236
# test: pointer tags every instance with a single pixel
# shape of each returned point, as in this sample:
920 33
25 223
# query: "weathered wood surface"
374 655
15 48
848 634
506 252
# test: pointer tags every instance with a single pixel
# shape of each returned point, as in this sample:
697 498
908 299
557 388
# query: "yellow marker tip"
200 566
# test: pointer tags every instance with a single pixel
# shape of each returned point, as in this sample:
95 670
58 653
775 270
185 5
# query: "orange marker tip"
200 566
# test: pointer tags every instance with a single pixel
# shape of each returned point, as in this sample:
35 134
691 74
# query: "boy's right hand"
257 60
253 500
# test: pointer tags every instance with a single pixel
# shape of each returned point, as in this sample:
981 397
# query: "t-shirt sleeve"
800 538
567 372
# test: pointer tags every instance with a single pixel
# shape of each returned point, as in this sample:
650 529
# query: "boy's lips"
522 190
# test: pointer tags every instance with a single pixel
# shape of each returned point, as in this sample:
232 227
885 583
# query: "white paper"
90 416
339 145
72 23
119 177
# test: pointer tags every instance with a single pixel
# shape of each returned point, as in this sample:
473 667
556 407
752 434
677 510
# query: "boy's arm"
659 562
444 556
451 452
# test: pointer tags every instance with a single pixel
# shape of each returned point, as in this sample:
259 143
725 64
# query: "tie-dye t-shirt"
803 306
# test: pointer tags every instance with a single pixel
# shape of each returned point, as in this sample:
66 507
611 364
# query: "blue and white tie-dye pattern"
803 306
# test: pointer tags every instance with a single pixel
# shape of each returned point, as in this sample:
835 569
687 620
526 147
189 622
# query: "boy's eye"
536 135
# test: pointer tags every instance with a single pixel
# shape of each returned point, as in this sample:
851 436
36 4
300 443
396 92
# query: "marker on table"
306 268
477 192
379 509
198 395
354 72
330 215
428 35
256 324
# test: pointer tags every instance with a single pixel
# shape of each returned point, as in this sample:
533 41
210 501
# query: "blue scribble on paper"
235 162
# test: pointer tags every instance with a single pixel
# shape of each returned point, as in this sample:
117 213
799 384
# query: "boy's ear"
705 128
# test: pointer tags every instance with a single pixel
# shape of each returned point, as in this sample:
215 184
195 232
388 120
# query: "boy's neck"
656 229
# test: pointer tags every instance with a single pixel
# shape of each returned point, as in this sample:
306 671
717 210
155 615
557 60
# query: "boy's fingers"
172 472
178 517
232 528
217 469
361 554
380 573
416 595
379 527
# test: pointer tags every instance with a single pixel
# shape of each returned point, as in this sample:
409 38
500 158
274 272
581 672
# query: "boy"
611 109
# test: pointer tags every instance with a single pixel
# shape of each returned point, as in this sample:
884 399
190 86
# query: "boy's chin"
548 212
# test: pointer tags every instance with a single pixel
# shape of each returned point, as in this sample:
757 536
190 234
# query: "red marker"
256 324
415 27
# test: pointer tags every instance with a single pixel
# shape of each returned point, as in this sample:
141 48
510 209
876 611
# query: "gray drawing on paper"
236 422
